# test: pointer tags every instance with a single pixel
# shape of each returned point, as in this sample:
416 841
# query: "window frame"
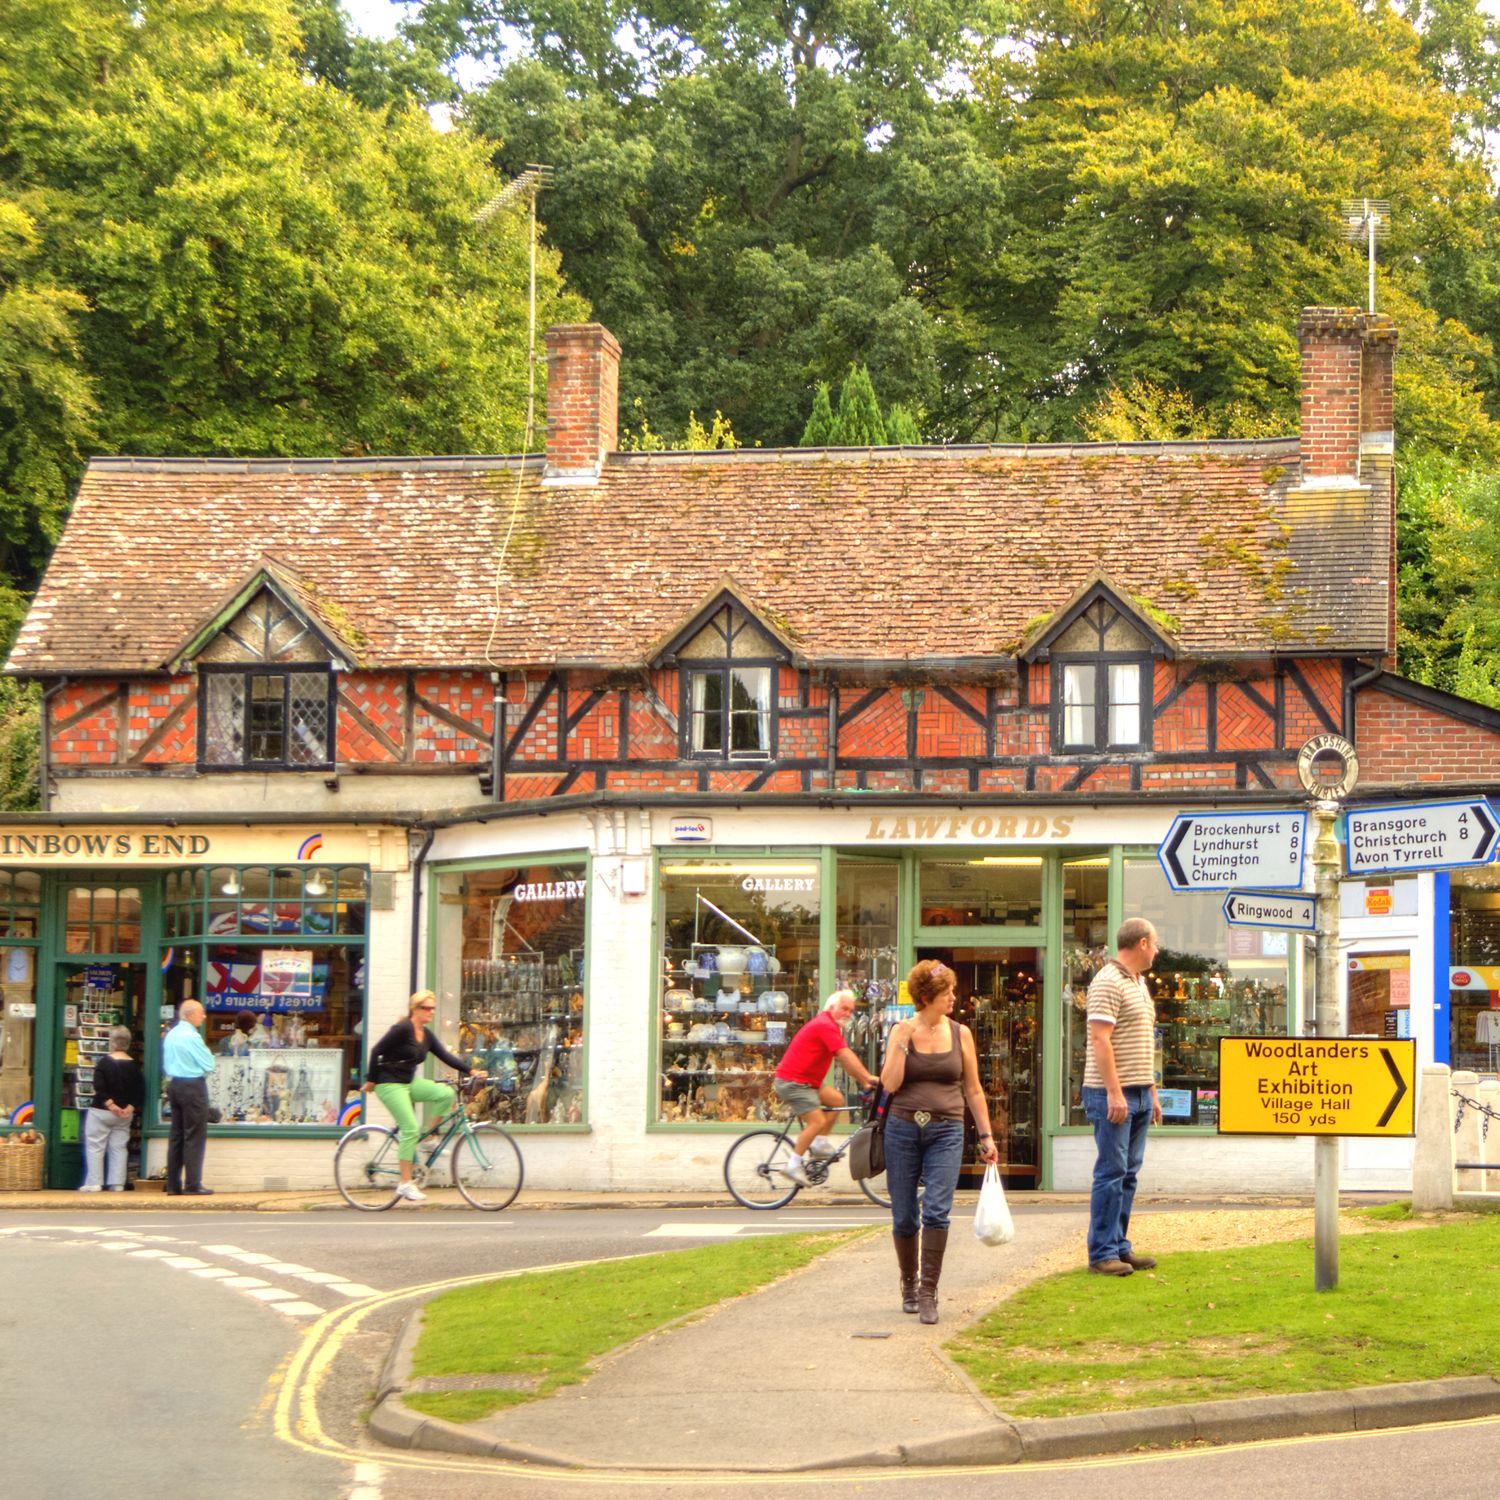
1101 662
724 669
286 670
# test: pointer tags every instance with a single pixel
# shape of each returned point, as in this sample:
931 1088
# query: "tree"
857 423
901 427
1170 174
752 196
377 71
819 430
269 267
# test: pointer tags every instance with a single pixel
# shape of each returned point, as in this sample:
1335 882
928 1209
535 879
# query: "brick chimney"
1348 426
583 401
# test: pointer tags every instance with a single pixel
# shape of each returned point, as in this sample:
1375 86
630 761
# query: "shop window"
510 981
867 956
1209 981
102 919
739 947
266 719
994 890
1474 973
17 1025
1086 942
277 956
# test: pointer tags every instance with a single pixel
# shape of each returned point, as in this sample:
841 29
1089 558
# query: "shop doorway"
999 997
91 999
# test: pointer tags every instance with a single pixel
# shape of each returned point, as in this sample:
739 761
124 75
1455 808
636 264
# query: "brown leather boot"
906 1261
934 1243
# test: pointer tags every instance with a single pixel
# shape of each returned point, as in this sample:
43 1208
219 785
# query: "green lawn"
544 1330
1411 1304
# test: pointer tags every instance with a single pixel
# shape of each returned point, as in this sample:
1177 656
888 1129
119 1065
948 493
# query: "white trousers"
104 1132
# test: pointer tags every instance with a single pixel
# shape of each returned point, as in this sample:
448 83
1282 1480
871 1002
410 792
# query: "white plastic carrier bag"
993 1224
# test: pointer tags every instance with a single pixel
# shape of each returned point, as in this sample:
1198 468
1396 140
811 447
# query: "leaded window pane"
309 717
224 730
708 711
750 711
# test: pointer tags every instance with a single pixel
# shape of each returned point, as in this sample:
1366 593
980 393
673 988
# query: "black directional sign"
1221 851
1421 836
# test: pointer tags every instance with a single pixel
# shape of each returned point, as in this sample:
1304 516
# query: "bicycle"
486 1163
752 1167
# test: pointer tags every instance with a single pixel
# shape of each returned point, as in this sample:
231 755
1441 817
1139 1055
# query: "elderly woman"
119 1097
930 1070
394 1061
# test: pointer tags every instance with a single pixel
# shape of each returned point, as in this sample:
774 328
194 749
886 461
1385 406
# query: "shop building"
649 751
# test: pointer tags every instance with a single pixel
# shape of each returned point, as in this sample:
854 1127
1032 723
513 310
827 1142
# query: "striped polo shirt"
1125 1002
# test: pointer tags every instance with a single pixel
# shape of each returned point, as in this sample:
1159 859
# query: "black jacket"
396 1057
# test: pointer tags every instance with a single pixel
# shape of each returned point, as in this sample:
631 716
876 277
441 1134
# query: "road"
162 1356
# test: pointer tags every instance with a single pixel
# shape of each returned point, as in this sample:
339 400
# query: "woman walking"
930 1069
394 1061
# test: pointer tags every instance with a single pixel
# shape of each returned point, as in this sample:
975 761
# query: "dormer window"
728 664
1102 651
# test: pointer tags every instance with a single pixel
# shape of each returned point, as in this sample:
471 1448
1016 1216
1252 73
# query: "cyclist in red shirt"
801 1080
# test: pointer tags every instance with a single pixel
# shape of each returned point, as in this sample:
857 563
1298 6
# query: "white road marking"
223 1250
250 1257
285 1268
151 1254
183 1262
270 1294
321 1278
298 1309
352 1289
240 1283
120 1245
215 1273
694 1231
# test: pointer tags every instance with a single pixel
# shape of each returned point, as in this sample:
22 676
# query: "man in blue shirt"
187 1062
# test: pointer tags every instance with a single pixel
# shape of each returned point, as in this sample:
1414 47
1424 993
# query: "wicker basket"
21 1164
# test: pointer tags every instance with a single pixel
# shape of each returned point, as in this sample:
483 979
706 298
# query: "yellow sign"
1316 1086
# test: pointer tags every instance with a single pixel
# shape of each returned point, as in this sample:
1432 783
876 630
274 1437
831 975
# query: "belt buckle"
921 1117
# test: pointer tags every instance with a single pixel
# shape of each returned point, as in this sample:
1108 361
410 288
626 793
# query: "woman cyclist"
394 1061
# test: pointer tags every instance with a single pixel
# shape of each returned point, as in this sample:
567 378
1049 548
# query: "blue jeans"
929 1155
1122 1149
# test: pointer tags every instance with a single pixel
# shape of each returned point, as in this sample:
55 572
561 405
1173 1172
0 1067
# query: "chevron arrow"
1171 852
1400 1093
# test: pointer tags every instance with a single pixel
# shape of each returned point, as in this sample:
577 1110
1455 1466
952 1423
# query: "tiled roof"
853 555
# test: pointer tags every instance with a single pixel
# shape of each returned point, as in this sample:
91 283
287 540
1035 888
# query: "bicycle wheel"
365 1168
487 1168
875 1190
750 1170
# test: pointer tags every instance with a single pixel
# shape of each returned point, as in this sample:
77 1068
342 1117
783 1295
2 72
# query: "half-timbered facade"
604 719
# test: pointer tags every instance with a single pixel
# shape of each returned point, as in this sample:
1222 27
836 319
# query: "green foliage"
1208 1325
819 430
696 436
268 267
901 427
549 1328
1145 412
857 422
376 71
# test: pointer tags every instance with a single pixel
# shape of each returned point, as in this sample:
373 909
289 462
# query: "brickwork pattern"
877 732
1300 719
804 738
1183 724
1401 742
466 696
380 700
162 722
1331 377
90 725
1243 723
946 732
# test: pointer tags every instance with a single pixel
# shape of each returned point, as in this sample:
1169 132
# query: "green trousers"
399 1099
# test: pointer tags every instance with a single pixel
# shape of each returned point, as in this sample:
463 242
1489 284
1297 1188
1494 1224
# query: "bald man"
187 1062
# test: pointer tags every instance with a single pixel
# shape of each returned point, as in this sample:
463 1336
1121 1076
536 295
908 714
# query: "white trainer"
411 1192
797 1173
823 1146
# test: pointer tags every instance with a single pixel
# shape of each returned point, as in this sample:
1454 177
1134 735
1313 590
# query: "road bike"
485 1164
752 1167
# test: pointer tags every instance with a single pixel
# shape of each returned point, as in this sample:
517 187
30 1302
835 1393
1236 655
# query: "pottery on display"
758 961
732 960
775 1002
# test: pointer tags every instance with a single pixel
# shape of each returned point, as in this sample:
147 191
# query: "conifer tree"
901 427
819 430
857 423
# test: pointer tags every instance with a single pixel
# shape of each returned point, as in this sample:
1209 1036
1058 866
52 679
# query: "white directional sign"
1271 909
1421 836
1222 851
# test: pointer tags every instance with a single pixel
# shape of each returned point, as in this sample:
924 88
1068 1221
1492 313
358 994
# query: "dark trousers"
189 1134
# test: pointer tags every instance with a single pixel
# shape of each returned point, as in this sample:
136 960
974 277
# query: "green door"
100 933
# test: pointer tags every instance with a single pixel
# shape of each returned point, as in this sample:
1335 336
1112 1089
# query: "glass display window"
1474 972
510 980
1086 946
1209 980
992 890
739 944
17 1033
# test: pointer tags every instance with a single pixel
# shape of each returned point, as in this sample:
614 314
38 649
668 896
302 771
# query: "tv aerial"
1364 221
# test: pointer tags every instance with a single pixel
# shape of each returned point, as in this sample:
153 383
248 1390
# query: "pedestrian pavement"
822 1370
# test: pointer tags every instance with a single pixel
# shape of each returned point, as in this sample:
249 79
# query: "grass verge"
544 1331
1212 1324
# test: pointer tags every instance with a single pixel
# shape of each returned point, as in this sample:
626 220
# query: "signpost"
1271 909
1421 836
1223 851
1326 1086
